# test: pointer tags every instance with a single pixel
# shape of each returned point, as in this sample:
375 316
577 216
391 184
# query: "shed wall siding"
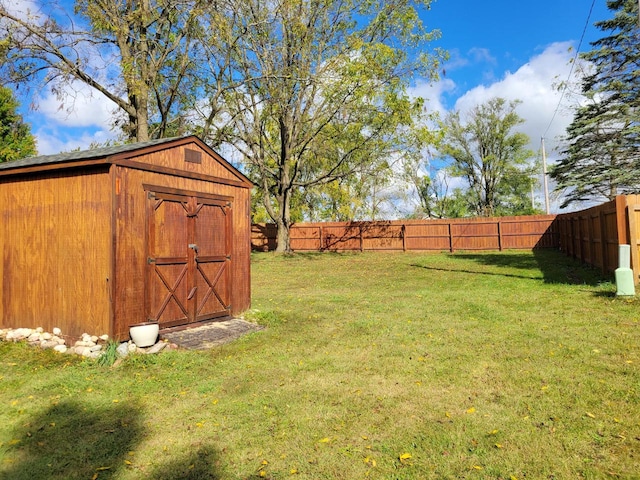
174 158
56 243
131 260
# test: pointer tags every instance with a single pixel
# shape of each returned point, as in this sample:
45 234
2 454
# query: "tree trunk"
283 237
142 128
138 118
283 223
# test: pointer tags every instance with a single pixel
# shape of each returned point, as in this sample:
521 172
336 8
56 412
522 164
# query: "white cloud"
81 106
54 140
482 55
433 93
533 84
456 60
82 117
23 9
542 109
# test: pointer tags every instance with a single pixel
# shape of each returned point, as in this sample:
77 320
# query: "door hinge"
228 257
151 260
151 195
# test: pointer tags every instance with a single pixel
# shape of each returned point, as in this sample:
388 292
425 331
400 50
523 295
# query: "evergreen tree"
602 155
16 140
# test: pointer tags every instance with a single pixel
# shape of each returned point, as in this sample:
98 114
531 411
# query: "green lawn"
402 365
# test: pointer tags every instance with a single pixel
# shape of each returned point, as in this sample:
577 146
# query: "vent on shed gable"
192 156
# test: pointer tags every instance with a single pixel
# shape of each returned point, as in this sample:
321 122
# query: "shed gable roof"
94 153
113 155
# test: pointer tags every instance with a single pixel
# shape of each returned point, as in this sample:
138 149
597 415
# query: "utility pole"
544 174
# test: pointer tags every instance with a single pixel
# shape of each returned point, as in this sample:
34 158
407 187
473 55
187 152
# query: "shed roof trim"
115 154
95 153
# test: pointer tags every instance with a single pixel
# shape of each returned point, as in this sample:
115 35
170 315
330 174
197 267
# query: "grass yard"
386 366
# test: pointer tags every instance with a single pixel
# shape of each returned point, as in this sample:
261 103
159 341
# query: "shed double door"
189 258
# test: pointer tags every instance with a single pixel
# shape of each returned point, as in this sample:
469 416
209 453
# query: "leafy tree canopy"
16 140
323 108
312 94
491 157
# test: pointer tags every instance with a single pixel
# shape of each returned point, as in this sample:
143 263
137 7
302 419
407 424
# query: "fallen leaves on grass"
371 461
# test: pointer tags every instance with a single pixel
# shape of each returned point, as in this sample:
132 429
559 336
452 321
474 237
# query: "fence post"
403 232
633 237
622 220
321 239
576 237
604 246
574 248
450 237
559 225
592 259
580 238
499 235
361 239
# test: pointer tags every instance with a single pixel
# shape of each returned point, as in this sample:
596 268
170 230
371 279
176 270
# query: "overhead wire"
562 92
573 63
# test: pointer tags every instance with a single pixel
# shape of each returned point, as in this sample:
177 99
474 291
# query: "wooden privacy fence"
590 235
593 235
441 235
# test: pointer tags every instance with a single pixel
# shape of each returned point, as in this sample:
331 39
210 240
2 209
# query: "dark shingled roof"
83 155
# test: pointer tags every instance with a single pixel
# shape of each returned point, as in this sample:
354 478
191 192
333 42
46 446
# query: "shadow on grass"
70 441
304 255
204 464
556 268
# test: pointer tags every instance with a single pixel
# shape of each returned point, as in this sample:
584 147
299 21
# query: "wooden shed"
100 240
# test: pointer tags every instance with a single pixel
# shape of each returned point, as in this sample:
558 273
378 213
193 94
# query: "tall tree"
359 196
137 53
432 189
602 154
323 92
428 182
16 140
491 157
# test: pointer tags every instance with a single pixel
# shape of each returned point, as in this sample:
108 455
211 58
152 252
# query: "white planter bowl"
144 334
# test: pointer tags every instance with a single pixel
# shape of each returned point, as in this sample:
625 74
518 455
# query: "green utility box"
624 275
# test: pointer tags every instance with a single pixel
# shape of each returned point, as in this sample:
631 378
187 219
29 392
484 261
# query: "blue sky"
518 51
489 39
515 50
